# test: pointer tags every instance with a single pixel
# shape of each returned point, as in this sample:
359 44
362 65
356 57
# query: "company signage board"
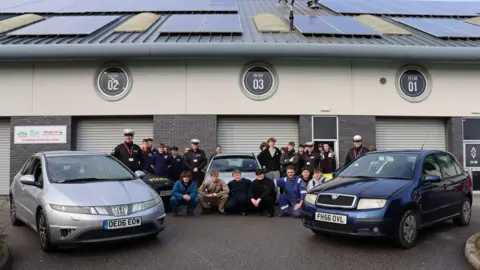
40 134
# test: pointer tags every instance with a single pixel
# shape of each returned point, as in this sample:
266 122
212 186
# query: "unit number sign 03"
413 83
258 80
113 81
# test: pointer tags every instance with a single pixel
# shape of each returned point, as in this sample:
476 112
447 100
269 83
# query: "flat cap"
195 141
309 144
128 131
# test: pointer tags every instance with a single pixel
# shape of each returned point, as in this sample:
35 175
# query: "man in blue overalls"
294 194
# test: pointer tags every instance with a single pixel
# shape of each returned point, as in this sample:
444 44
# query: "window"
27 167
89 167
448 165
382 165
230 163
431 166
37 170
324 127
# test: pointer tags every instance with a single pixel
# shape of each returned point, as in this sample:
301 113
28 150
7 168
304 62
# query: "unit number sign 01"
258 80
412 83
113 81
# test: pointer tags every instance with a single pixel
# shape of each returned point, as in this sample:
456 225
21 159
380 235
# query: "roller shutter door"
245 134
404 134
104 134
4 157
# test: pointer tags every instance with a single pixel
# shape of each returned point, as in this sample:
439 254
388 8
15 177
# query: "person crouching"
262 194
213 192
238 201
184 193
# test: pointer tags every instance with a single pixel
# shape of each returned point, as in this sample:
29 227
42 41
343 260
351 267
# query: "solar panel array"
65 26
333 25
442 28
110 6
403 7
196 23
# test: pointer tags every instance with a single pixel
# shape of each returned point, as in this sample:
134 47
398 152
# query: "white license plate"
166 193
122 223
331 218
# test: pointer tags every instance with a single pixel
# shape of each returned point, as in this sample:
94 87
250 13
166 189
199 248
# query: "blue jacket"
295 189
161 162
149 156
179 189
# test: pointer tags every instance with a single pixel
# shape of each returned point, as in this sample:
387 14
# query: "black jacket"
240 188
131 155
310 161
327 161
193 159
268 162
285 159
263 189
354 153
176 169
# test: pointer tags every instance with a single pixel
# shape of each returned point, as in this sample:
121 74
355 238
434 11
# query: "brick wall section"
19 153
178 130
454 127
349 126
305 128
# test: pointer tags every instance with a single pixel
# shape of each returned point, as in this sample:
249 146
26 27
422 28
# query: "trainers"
190 214
206 211
244 214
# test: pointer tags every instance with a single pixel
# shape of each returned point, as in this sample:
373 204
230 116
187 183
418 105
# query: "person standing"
317 179
218 150
177 165
184 193
238 201
270 160
194 161
213 192
161 162
328 163
262 194
295 191
263 146
289 158
129 153
356 151
310 159
148 153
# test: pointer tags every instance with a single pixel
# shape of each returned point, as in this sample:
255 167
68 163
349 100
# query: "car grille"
332 227
336 200
97 234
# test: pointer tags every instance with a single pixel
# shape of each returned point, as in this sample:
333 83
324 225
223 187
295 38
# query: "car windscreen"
382 165
75 168
230 163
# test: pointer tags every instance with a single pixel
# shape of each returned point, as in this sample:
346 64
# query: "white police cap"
309 144
128 131
195 141
357 138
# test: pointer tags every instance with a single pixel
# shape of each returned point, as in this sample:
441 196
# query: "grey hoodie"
315 183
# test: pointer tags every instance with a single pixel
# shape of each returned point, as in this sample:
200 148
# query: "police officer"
194 161
356 151
310 159
129 153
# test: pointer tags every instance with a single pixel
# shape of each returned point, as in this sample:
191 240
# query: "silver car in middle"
226 163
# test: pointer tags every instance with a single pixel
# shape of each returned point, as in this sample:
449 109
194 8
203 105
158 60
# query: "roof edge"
47 52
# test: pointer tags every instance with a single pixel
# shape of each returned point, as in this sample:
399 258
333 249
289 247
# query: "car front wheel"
13 214
43 231
465 215
407 230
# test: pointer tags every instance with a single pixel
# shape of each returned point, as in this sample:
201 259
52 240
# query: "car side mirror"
28 180
432 178
140 174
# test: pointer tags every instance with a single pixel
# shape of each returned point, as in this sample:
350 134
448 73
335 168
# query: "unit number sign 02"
113 81
413 83
258 80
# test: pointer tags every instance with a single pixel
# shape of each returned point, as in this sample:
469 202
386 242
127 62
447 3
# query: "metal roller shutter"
4 157
403 134
245 134
104 134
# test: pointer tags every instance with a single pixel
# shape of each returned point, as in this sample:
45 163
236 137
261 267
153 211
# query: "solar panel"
210 23
442 28
65 26
332 25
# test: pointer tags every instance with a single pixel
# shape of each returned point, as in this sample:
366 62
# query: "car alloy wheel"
466 211
43 233
410 229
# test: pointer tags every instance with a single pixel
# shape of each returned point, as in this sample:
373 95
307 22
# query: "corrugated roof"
247 9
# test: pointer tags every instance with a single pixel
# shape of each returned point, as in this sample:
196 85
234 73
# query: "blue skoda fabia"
391 194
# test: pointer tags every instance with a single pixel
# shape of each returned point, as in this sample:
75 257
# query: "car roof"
70 153
417 151
234 154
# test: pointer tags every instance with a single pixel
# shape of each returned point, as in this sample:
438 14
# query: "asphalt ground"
250 242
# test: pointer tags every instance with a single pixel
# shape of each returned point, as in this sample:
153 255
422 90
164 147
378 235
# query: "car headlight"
371 203
89 210
311 198
138 207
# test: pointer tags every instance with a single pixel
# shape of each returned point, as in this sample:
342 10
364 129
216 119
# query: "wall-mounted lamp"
476 112
326 109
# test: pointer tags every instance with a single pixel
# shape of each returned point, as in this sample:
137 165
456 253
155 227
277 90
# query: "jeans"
191 205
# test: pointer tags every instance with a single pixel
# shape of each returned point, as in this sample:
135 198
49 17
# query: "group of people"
285 175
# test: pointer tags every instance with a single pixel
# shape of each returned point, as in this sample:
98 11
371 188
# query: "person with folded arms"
262 194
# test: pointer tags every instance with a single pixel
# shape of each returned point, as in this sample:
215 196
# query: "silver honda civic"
74 197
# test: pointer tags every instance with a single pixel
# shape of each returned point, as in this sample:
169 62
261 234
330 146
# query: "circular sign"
113 81
413 83
258 80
